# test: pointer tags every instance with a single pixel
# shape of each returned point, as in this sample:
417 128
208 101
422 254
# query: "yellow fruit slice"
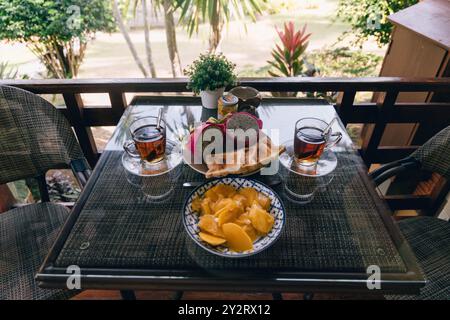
251 232
250 194
220 204
212 240
237 239
243 219
211 195
263 201
209 224
225 190
205 206
228 214
240 199
261 220
228 206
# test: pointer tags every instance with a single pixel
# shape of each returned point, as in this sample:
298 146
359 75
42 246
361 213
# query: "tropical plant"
217 13
123 29
369 18
7 71
61 187
167 7
56 31
171 35
148 48
287 59
210 72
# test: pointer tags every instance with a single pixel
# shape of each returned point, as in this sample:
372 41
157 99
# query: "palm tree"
148 48
167 6
123 29
171 37
217 13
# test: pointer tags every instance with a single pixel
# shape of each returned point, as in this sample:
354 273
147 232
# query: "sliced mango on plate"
225 190
220 204
250 195
212 240
209 224
237 239
263 201
261 220
251 232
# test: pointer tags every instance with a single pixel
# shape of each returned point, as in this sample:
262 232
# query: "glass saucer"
172 160
326 164
303 189
156 182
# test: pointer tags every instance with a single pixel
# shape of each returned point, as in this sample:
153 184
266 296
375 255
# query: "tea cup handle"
130 148
332 142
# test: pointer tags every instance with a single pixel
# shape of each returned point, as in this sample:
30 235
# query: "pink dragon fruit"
196 144
238 120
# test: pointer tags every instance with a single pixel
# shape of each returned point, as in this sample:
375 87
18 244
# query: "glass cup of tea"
148 141
311 140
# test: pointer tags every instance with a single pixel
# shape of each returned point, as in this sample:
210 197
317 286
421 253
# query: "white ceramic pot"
209 98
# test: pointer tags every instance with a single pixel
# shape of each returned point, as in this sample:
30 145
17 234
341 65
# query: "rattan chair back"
34 136
434 155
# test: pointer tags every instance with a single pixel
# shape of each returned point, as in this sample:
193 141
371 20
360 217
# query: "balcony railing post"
370 146
345 106
118 104
74 105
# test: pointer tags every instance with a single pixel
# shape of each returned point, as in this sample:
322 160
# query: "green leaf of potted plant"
208 76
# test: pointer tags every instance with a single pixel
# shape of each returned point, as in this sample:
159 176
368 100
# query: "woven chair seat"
430 240
26 235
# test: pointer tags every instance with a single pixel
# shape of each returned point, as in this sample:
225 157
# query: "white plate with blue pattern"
191 218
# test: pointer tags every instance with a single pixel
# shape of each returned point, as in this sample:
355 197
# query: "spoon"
158 122
328 127
192 184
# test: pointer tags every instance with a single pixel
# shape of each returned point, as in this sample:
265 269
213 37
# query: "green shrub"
369 17
343 62
56 31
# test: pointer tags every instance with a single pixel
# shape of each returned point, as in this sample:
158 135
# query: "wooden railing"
385 111
381 113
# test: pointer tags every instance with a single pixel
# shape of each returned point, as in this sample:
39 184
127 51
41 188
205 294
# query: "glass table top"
335 236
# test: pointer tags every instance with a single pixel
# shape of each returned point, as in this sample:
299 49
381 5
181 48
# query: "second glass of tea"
148 140
311 140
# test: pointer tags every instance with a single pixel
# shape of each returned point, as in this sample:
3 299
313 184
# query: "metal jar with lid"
227 103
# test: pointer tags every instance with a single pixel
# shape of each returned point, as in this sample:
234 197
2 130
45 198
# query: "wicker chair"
429 237
34 137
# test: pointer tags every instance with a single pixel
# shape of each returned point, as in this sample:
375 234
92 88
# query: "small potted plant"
208 76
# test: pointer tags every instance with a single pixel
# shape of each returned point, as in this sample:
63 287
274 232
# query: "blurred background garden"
248 34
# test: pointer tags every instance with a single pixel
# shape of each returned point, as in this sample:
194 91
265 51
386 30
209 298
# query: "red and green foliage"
288 60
